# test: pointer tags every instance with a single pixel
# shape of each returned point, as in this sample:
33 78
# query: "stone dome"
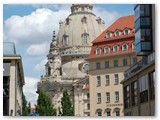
81 27
75 38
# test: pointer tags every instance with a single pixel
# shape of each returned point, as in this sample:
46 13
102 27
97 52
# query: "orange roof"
120 24
101 41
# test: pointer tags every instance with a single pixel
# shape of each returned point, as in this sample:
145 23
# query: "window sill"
116 101
98 85
107 85
108 102
98 102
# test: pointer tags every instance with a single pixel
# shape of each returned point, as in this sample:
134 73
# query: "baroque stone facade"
66 68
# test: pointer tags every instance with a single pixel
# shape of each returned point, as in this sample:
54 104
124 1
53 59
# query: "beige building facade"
111 55
13 81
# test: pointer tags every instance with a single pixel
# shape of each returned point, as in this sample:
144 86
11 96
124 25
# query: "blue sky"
30 28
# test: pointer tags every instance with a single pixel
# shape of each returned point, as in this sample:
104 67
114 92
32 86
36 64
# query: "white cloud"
108 16
38 49
34 28
30 89
40 66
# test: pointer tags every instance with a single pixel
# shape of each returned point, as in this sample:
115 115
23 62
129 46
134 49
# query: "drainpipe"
16 86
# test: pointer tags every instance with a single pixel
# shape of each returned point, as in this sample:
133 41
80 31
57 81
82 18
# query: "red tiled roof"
120 24
101 41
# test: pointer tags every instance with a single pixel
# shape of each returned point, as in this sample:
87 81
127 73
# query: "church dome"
75 38
81 27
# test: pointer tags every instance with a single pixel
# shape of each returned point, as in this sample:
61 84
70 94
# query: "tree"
44 105
29 107
24 106
67 109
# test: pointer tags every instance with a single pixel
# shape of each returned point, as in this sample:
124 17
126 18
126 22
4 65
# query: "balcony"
140 65
9 48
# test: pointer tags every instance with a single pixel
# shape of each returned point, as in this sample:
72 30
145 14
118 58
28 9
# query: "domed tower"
75 38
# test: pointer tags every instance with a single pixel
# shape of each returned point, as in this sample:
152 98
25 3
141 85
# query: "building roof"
102 41
120 24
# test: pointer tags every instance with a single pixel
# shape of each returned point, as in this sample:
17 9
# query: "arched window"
49 71
98 51
108 35
133 45
106 50
124 47
117 33
115 48
85 37
126 31
65 40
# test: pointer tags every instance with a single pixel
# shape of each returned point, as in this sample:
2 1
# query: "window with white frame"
133 45
126 31
85 38
98 51
117 33
107 80
106 50
115 48
124 47
116 96
98 80
98 97
108 35
116 80
107 97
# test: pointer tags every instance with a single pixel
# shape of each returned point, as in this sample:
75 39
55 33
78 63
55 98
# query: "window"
98 98
143 85
88 106
126 96
117 33
124 47
115 48
126 31
107 64
107 80
116 96
98 80
134 93
116 79
152 85
99 113
117 113
82 9
85 38
49 71
98 65
108 113
65 40
108 35
106 50
115 63
134 60
107 97
124 62
133 45
98 51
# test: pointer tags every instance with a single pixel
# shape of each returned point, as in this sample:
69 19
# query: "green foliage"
25 108
67 109
44 105
29 107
